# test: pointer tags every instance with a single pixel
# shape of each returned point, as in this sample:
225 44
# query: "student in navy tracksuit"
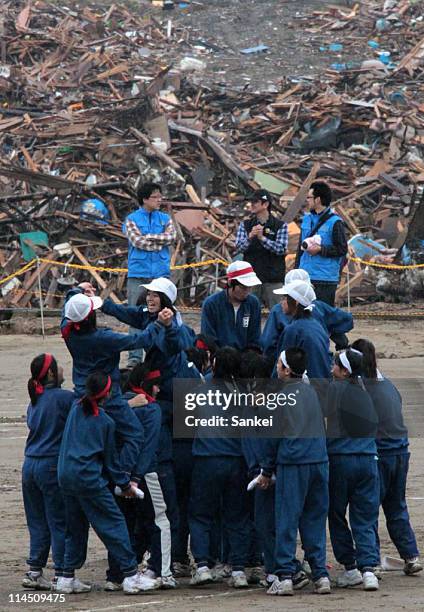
219 477
305 332
87 465
256 369
232 317
147 520
335 321
94 349
393 457
351 429
202 354
44 509
301 463
171 360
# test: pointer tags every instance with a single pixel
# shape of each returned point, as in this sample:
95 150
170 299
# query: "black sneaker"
300 580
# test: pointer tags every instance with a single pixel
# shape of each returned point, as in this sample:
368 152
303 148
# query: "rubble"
96 99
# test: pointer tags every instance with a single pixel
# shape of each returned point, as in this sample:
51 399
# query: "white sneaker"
370 581
147 584
322 586
36 581
281 587
168 582
201 576
286 587
274 589
349 578
412 566
80 587
300 580
64 585
238 580
130 585
112 586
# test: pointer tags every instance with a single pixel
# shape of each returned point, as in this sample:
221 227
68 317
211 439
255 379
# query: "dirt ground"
400 346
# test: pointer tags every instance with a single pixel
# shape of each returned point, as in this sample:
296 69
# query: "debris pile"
96 100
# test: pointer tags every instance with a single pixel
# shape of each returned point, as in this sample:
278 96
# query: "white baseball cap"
163 285
243 272
299 290
79 306
295 275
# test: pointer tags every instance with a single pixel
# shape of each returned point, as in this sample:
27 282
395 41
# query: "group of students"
104 455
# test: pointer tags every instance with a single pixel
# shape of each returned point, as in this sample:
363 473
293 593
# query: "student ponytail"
369 360
351 360
40 367
97 387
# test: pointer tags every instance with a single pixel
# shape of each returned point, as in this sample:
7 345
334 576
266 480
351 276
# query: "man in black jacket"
263 241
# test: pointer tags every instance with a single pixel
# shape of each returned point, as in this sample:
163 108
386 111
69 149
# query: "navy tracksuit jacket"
354 479
219 463
334 320
88 462
301 493
43 502
227 329
393 463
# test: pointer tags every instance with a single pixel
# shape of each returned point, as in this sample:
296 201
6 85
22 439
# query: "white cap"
295 275
163 285
79 306
243 272
300 291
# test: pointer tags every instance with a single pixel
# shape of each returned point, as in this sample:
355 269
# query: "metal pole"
216 276
41 300
348 288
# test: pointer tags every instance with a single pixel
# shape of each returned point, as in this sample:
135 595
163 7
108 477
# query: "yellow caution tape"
387 266
199 264
28 266
32 263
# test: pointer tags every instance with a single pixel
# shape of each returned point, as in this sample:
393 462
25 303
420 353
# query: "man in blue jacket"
150 233
322 245
232 317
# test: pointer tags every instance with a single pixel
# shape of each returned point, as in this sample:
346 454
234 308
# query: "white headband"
345 361
284 359
284 362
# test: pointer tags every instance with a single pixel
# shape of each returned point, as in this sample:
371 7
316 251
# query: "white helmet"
163 285
295 275
301 291
79 306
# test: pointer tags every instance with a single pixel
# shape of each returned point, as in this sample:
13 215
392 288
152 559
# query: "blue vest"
318 267
148 264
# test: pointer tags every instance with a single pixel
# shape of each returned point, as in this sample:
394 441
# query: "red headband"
141 391
240 272
46 365
93 398
153 374
201 345
73 325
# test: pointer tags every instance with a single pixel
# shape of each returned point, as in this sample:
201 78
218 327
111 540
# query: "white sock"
204 568
237 573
